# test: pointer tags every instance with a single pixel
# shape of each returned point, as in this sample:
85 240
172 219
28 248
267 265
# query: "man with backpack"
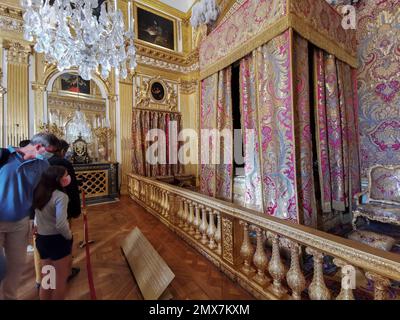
20 172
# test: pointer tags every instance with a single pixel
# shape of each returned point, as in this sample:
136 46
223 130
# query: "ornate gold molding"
11 12
38 87
113 97
144 99
17 52
158 53
188 87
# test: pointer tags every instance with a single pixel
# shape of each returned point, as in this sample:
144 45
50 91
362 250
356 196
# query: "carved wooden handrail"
210 224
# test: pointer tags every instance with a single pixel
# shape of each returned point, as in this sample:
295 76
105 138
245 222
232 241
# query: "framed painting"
74 83
157 90
155 28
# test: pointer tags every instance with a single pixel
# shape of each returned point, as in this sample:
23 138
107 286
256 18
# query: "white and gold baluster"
151 196
211 230
294 277
167 204
162 202
191 218
159 198
180 211
140 191
218 234
185 214
381 286
260 259
348 280
318 289
197 221
246 250
155 198
276 268
203 226
154 201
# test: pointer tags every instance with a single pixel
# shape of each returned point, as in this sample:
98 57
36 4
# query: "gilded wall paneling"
126 96
18 92
144 99
31 97
2 94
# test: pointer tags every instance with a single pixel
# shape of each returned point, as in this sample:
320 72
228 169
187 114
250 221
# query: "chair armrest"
358 196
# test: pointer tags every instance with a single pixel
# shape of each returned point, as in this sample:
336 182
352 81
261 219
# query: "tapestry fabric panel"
208 119
275 110
336 125
224 166
322 131
327 21
378 34
142 122
251 142
304 149
248 21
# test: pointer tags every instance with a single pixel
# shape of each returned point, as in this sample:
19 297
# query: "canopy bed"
298 105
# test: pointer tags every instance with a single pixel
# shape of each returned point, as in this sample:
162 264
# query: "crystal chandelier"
85 34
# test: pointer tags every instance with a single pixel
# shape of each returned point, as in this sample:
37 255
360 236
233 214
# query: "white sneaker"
29 248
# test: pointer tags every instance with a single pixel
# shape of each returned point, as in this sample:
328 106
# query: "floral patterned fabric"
248 90
391 213
378 33
208 118
304 153
337 132
322 132
257 15
373 239
327 21
275 110
142 122
224 167
385 184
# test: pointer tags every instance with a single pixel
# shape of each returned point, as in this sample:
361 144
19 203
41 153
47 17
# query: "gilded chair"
382 197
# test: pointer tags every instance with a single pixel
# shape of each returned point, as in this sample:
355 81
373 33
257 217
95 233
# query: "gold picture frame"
159 34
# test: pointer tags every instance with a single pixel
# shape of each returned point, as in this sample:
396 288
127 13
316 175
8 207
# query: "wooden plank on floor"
150 270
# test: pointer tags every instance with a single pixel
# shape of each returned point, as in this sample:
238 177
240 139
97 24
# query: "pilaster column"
3 91
112 143
18 91
39 90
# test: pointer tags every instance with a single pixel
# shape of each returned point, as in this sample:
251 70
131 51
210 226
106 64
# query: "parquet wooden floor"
195 276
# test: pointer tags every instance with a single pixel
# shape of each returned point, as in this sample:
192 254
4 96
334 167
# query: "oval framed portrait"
157 90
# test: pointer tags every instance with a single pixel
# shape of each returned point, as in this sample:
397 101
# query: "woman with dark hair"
54 237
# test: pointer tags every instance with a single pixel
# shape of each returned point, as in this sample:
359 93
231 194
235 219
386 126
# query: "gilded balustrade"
264 254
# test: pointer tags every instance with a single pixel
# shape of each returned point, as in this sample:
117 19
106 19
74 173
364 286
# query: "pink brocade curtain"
304 145
275 112
338 152
142 122
251 145
224 166
208 116
216 176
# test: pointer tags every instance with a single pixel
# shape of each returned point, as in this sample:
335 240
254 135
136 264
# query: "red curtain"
142 122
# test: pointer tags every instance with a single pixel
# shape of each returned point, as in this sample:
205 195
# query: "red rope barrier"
86 237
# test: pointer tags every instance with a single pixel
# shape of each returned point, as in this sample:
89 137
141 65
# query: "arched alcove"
79 107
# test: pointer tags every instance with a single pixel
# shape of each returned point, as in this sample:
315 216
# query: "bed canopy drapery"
298 94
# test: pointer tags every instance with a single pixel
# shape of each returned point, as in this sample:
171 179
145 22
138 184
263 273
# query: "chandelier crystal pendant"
83 34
